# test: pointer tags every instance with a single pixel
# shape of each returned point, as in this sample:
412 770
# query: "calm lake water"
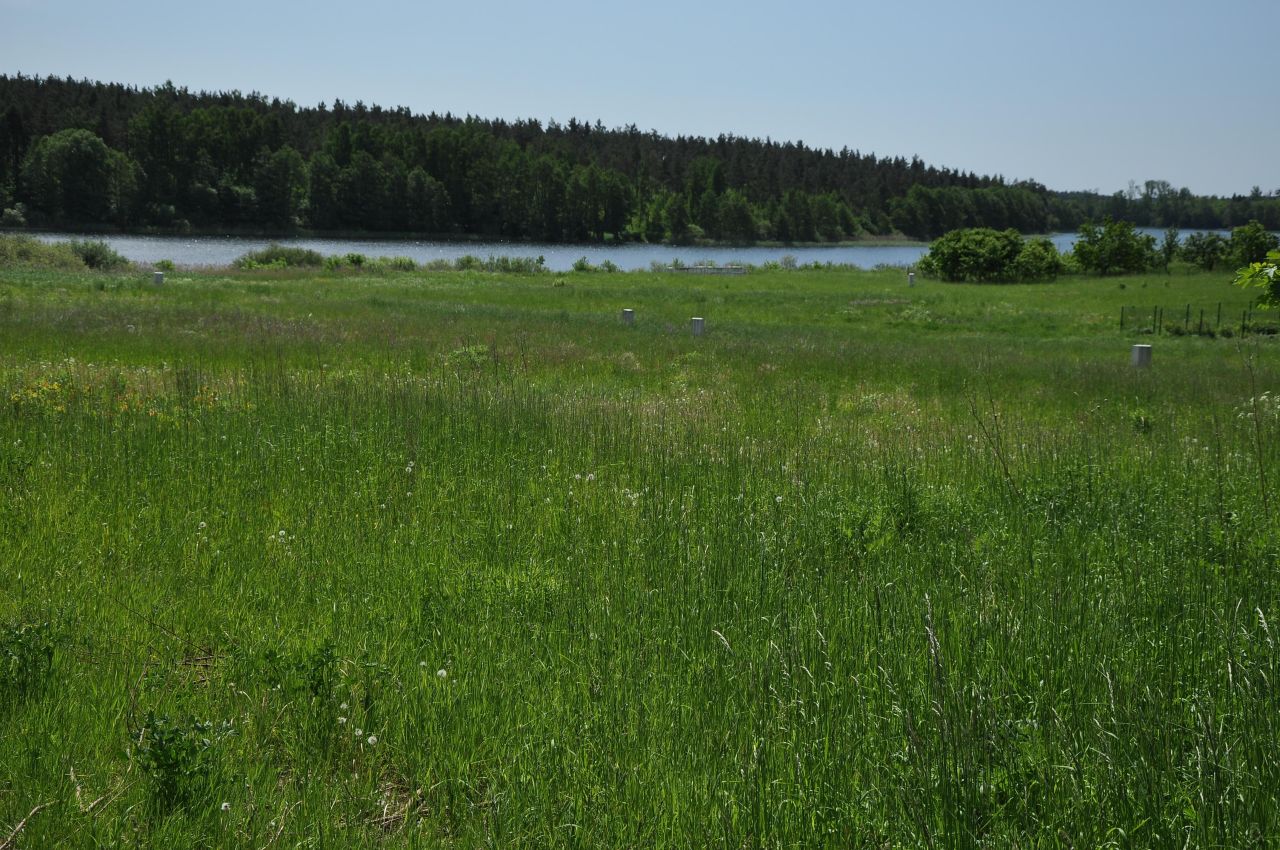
222 250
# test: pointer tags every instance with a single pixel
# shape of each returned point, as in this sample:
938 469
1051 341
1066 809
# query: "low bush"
1115 247
983 255
29 252
280 256
98 255
26 660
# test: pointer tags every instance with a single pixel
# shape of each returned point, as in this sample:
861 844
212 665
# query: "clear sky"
1080 95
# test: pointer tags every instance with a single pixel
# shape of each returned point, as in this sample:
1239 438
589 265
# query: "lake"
222 250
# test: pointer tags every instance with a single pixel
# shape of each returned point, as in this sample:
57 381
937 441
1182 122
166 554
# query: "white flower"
373 740
280 534
226 807
778 499
442 674
344 706
359 732
203 526
422 664
342 721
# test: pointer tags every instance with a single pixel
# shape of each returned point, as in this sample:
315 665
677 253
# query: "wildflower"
422 664
778 499
203 526
359 732
343 706
442 674
226 807
342 721
372 740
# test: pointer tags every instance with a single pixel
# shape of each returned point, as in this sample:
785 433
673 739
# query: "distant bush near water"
279 257
98 255
983 255
21 250
29 252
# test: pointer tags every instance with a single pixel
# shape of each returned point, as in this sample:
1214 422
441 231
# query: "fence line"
1200 323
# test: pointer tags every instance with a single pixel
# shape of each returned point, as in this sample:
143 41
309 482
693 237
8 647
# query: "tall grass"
410 561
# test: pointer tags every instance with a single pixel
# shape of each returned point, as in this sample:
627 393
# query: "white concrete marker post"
911 278
696 324
158 278
628 316
1140 358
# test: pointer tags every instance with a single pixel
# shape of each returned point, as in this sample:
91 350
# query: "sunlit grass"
459 559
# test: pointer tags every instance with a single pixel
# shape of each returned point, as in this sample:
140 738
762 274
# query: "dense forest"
76 152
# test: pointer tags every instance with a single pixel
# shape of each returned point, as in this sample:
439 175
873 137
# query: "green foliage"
1204 250
1038 260
1251 244
280 256
1264 275
280 187
98 255
18 250
1115 247
73 176
164 265
179 758
224 158
1169 247
26 661
982 255
14 216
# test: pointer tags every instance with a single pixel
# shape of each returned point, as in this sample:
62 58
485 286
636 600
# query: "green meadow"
457 559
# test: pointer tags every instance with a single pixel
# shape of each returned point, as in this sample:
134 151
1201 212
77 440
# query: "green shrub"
1115 247
97 254
977 254
164 265
1038 260
280 256
14 216
26 659
1204 250
1250 244
180 758
582 264
29 252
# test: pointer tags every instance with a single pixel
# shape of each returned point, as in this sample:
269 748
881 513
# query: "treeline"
80 152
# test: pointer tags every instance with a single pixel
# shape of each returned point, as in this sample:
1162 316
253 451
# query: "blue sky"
1086 95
